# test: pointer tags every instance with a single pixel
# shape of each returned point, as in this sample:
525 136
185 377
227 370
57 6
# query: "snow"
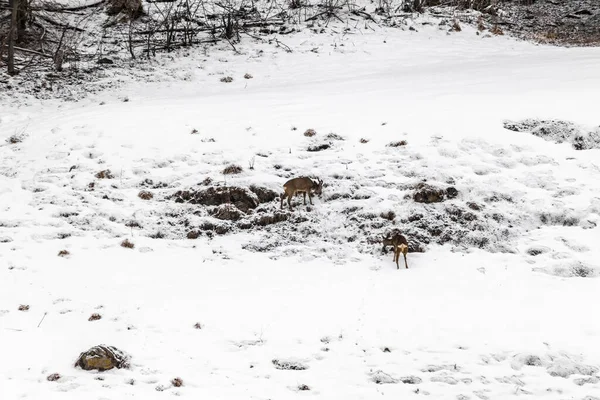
465 321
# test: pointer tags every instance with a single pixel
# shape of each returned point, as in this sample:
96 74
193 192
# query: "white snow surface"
464 323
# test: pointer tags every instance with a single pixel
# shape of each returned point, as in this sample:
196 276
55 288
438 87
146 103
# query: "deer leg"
282 199
289 199
405 262
310 198
396 257
304 193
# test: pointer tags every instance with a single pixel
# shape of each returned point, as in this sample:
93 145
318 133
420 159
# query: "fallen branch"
64 26
37 53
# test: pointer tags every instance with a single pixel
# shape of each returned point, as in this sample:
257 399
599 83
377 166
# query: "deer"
302 185
399 244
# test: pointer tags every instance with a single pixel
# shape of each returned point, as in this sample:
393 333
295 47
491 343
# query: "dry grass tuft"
95 317
105 174
397 144
310 133
145 195
232 169
127 244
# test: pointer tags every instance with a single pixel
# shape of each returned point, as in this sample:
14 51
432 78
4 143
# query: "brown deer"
399 244
302 185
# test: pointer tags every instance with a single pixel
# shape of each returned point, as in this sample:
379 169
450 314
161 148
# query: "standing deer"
399 244
302 185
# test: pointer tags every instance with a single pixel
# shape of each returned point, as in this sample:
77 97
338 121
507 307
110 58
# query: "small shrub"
226 79
14 139
397 144
127 244
496 30
232 169
63 253
208 140
105 174
310 133
53 377
24 307
197 325
177 382
95 317
194 131
145 195
248 76
364 140
456 26
303 387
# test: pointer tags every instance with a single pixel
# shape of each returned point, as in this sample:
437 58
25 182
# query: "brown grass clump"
232 169
363 140
145 195
248 76
226 79
127 244
310 133
456 26
197 325
496 30
177 382
24 307
95 317
14 139
105 174
63 253
398 143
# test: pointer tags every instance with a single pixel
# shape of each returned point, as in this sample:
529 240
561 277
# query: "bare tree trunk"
11 37
21 20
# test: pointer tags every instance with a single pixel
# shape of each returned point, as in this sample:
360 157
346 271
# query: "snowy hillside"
500 297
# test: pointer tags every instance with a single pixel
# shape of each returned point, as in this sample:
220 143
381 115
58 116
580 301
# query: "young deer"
400 245
302 185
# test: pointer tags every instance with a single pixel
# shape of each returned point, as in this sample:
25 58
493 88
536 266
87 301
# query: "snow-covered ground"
462 322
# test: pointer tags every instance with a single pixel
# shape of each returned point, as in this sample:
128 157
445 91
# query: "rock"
102 358
451 192
227 212
425 193
241 198
264 194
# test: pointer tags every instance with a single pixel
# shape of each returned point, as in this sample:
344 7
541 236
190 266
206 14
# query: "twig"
42 320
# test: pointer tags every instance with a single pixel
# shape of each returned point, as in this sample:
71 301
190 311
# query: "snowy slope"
461 321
